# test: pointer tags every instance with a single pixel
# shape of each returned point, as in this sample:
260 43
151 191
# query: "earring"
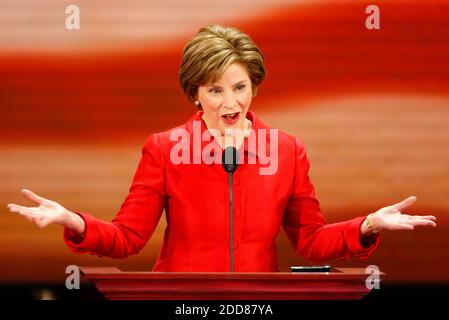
197 102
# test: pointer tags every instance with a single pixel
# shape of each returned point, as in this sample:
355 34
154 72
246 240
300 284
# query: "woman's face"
226 101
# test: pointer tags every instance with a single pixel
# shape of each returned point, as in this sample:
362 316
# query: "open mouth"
231 118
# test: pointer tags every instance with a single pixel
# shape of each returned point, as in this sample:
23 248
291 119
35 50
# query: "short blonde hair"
211 51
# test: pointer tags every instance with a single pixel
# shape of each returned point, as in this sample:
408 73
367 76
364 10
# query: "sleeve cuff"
357 247
78 243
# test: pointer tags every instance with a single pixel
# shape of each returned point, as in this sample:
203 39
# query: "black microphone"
229 160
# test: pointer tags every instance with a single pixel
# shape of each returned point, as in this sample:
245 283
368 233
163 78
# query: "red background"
372 106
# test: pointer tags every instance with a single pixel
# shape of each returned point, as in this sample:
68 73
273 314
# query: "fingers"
20 209
29 214
410 223
32 196
422 223
432 218
23 211
405 203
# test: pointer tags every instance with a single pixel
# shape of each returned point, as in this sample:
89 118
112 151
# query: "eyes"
216 90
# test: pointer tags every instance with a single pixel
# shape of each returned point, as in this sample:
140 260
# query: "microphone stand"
230 164
231 231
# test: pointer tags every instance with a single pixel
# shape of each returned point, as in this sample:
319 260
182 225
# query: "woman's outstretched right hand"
47 212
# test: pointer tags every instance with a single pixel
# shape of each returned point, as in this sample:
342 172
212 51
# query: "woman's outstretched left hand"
393 218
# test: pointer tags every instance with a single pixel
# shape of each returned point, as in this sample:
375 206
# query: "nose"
229 100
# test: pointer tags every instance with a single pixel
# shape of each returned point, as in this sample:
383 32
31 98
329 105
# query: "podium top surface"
113 272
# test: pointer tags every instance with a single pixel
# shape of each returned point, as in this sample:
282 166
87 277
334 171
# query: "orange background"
372 106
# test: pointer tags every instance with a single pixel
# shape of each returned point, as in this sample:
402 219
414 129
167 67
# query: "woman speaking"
215 223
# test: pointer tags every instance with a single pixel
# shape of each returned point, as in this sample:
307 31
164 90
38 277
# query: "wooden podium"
340 284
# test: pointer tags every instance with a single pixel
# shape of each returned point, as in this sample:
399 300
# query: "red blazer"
196 201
